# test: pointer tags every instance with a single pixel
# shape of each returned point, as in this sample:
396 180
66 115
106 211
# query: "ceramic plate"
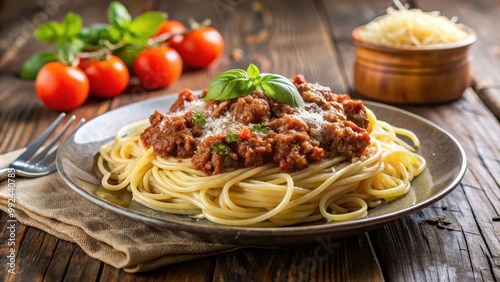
445 157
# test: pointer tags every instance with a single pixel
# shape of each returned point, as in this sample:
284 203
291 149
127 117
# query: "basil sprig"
72 38
237 83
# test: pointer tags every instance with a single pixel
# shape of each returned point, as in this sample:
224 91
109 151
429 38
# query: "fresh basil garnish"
118 15
220 149
30 67
260 127
199 118
230 84
237 83
232 137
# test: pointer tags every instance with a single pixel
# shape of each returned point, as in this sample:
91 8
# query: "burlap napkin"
47 203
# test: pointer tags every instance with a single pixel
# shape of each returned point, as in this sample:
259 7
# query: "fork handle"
4 172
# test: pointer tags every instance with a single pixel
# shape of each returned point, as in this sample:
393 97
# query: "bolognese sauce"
211 133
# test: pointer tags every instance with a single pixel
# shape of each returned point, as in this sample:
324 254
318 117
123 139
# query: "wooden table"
286 37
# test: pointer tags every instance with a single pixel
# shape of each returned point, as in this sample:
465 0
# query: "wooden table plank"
198 270
270 37
326 260
482 16
61 259
18 21
34 254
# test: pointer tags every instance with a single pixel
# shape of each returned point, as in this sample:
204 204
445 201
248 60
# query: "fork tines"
43 158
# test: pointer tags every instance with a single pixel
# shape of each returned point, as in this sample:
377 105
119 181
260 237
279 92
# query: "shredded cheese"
412 27
221 125
311 118
197 105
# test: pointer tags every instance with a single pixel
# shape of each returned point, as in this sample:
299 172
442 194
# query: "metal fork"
32 163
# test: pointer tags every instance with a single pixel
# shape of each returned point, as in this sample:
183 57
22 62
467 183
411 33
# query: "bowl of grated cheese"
409 56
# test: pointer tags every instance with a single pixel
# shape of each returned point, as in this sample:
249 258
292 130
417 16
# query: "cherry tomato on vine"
158 67
170 27
61 87
108 78
200 47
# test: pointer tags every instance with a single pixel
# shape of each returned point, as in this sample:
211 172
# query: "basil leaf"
33 64
112 34
48 32
92 34
238 83
145 25
253 71
71 24
230 84
280 89
118 15
52 32
95 33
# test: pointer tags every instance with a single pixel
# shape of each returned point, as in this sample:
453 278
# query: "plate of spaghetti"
257 156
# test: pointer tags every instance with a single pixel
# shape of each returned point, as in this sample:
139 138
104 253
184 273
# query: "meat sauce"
328 125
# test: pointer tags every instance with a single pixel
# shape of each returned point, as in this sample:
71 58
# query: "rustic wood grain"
34 254
471 251
482 16
82 267
326 260
5 235
489 95
58 266
196 271
287 37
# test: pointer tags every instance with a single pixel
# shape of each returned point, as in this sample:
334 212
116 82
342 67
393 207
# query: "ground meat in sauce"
329 125
250 109
255 151
345 138
295 150
183 96
323 96
205 160
169 136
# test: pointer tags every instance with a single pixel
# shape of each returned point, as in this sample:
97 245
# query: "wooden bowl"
412 75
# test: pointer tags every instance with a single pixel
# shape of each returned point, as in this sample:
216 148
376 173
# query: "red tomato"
158 67
200 47
61 87
170 27
244 133
107 78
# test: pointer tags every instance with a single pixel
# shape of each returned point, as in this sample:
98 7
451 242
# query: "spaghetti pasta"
335 189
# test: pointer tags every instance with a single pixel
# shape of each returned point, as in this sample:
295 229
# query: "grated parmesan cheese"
198 105
312 118
412 27
221 125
